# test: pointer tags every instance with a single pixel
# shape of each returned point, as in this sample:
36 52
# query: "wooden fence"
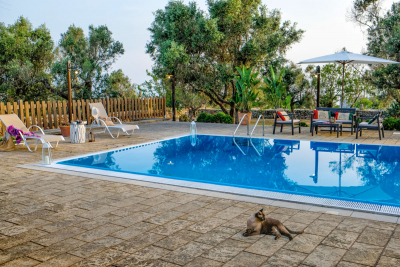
49 114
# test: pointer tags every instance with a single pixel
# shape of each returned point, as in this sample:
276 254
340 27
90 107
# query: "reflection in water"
350 171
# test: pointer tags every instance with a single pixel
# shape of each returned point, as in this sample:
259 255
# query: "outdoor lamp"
47 159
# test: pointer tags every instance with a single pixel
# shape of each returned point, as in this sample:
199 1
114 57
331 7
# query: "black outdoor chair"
294 120
360 125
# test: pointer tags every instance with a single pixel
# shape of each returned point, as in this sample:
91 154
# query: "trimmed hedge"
220 117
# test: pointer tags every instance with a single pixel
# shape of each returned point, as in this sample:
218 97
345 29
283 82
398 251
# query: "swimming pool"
331 174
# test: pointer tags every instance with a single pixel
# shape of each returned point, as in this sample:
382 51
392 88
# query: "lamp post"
69 68
318 76
173 94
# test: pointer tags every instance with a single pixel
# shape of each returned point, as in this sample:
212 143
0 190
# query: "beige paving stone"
349 264
104 258
56 249
190 206
162 207
324 256
353 225
226 250
165 217
206 225
144 257
331 218
216 236
18 251
279 216
363 254
62 260
10 241
245 259
98 221
267 245
21 262
321 227
55 237
134 230
178 239
98 212
65 214
374 236
99 232
56 226
199 214
186 253
230 212
239 222
203 262
304 243
132 219
305 217
341 239
393 248
388 262
171 227
139 242
286 211
94 247
285 258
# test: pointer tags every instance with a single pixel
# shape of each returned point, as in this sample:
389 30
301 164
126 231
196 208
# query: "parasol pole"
341 102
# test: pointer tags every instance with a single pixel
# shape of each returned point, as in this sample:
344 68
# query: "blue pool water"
367 173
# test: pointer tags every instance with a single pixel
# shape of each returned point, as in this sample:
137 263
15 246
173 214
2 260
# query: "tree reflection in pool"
368 173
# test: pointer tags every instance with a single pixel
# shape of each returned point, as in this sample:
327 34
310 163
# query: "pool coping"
312 203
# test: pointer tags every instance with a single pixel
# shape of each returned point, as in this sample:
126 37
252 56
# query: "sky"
327 30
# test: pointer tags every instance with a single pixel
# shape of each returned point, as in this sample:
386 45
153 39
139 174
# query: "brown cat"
257 224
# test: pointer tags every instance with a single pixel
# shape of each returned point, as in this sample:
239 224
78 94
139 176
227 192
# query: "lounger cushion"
288 122
128 127
51 138
107 121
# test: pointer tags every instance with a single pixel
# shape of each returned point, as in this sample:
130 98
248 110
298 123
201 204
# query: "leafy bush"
227 119
220 117
390 123
208 118
183 117
202 116
393 110
303 124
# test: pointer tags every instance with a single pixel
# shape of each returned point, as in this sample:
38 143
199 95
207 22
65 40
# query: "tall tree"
232 33
92 56
25 56
383 31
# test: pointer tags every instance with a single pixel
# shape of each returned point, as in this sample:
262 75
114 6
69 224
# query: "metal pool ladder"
240 122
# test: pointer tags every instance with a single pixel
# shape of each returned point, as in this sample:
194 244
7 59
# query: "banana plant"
246 85
274 88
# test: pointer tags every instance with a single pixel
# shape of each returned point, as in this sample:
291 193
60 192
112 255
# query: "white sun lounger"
99 123
13 119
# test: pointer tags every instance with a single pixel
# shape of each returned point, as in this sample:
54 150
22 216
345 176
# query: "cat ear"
261 210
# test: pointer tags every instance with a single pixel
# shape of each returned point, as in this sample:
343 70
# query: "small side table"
337 125
78 133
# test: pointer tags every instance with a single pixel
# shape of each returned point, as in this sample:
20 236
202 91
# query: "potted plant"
246 84
65 129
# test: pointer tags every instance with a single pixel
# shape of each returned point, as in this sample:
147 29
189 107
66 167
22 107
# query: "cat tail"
294 232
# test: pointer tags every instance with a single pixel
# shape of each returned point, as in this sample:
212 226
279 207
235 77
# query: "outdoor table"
337 125
78 133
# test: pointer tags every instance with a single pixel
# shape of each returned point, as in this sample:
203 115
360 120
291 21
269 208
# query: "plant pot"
244 122
65 131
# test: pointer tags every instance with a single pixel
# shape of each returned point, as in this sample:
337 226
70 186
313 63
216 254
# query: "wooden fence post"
27 115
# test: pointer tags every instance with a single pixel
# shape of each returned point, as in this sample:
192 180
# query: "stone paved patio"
50 219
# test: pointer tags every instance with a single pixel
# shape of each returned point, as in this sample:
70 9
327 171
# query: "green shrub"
208 118
303 124
390 123
183 117
227 119
202 116
220 117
